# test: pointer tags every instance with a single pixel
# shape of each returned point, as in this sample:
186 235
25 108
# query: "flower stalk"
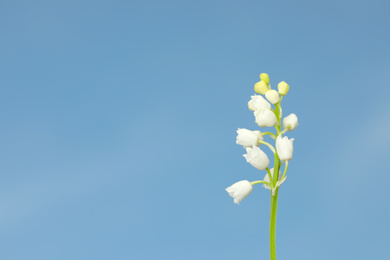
272 223
265 116
274 193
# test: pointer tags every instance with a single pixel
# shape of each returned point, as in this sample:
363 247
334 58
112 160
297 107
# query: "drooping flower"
284 148
272 96
248 138
265 117
239 190
290 120
256 157
258 102
283 88
261 87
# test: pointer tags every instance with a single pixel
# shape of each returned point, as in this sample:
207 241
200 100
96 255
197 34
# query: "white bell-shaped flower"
248 138
266 178
290 120
272 96
256 157
265 117
284 148
258 102
239 190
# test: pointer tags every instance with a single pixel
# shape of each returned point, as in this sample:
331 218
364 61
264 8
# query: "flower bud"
284 148
258 102
272 96
264 77
261 87
283 88
248 138
290 120
265 117
256 157
239 190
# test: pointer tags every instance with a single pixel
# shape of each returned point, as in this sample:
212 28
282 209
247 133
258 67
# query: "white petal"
290 120
257 102
239 190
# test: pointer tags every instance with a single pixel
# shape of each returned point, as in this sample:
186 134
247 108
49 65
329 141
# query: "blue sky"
118 120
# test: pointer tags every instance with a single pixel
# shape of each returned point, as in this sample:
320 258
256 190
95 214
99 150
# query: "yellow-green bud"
264 77
261 87
283 88
272 96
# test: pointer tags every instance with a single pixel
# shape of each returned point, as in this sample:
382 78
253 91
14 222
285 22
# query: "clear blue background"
118 120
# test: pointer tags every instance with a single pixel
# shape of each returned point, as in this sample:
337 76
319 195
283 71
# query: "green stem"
272 226
269 133
270 178
260 182
275 178
285 170
267 144
274 193
285 130
277 114
274 206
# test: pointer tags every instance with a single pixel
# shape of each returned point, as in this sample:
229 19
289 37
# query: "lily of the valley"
258 102
256 157
248 138
239 190
284 148
290 120
265 117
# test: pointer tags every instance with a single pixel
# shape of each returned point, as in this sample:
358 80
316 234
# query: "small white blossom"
258 102
284 148
248 138
272 96
256 157
239 190
290 120
265 117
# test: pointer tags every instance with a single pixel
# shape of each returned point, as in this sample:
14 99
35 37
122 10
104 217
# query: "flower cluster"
266 116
